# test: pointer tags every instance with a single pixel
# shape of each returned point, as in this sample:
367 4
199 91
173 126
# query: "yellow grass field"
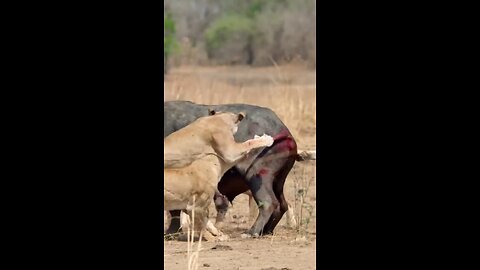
290 92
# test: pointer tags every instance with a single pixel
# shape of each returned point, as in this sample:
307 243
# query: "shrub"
228 39
169 42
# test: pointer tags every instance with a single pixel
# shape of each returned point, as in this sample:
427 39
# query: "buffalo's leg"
231 185
174 223
261 187
278 184
166 222
253 209
221 205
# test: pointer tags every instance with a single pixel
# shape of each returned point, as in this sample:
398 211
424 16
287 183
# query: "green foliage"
227 27
169 42
255 8
233 32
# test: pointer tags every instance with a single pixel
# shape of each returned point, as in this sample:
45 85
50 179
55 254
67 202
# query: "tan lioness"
195 141
196 157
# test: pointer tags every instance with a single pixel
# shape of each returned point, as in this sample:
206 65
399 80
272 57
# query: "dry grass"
303 177
192 254
287 90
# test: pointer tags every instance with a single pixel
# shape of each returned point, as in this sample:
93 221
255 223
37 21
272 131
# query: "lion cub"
195 159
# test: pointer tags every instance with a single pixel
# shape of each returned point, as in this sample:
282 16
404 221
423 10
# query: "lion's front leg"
219 234
234 152
202 225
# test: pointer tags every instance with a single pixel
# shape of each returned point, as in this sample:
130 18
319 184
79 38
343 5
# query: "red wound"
263 171
281 135
287 143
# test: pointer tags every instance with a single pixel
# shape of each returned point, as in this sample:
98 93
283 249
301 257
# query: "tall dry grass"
192 253
288 90
304 176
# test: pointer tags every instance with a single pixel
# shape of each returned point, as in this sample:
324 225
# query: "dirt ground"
290 92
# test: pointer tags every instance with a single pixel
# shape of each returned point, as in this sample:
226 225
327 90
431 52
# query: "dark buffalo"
263 172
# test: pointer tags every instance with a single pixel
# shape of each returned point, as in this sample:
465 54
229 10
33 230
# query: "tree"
228 39
169 42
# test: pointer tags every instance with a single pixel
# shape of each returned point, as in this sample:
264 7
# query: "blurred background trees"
247 32
169 39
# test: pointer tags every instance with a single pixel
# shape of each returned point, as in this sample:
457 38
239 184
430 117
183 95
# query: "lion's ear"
241 116
211 112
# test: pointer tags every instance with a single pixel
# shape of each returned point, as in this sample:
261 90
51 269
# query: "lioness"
196 157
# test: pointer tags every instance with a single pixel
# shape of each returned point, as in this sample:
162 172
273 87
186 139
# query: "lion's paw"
268 140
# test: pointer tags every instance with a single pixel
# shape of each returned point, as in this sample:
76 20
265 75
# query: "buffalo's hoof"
169 237
248 235
245 235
